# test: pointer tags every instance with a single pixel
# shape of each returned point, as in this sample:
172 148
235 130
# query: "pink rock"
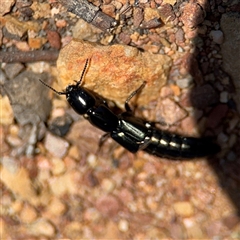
108 205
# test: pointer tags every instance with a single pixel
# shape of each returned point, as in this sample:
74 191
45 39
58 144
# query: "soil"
55 181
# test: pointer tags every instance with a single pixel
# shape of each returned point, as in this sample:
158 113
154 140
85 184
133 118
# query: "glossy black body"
94 109
131 132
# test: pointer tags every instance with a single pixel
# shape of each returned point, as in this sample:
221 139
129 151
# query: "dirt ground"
55 181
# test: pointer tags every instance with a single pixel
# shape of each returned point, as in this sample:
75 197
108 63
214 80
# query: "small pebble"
107 185
231 221
170 111
108 205
56 207
14 141
224 97
91 214
123 225
36 43
151 203
41 227
16 206
222 137
58 166
185 82
15 27
183 209
85 31
10 164
6 6
64 184
28 214
6 116
54 39
3 77
217 36
55 145
13 69
92 160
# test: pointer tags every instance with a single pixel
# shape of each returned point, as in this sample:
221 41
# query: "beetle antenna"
83 72
59 93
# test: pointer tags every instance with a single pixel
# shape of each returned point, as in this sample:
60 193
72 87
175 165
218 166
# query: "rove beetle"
131 132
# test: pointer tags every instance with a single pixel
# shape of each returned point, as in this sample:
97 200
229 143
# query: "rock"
217 36
60 125
30 105
54 39
177 231
224 97
192 15
41 227
85 136
184 209
185 82
58 166
107 185
18 28
137 16
6 116
28 214
166 12
13 69
85 31
111 231
56 146
64 184
172 2
14 27
231 221
19 183
214 228
180 38
5 6
56 207
171 112
123 225
114 71
36 43
41 10
230 49
108 205
150 13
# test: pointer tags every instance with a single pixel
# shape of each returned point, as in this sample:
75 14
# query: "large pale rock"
114 71
230 24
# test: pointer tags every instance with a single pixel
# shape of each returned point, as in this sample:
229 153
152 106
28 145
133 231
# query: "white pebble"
217 36
92 160
123 225
224 97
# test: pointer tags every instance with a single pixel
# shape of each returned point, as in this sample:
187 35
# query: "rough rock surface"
114 71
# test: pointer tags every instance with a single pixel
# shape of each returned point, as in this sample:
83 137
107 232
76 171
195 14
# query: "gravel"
68 187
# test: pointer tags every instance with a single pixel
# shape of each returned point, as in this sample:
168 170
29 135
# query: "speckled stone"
114 71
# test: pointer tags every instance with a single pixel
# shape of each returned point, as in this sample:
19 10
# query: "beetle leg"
127 107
